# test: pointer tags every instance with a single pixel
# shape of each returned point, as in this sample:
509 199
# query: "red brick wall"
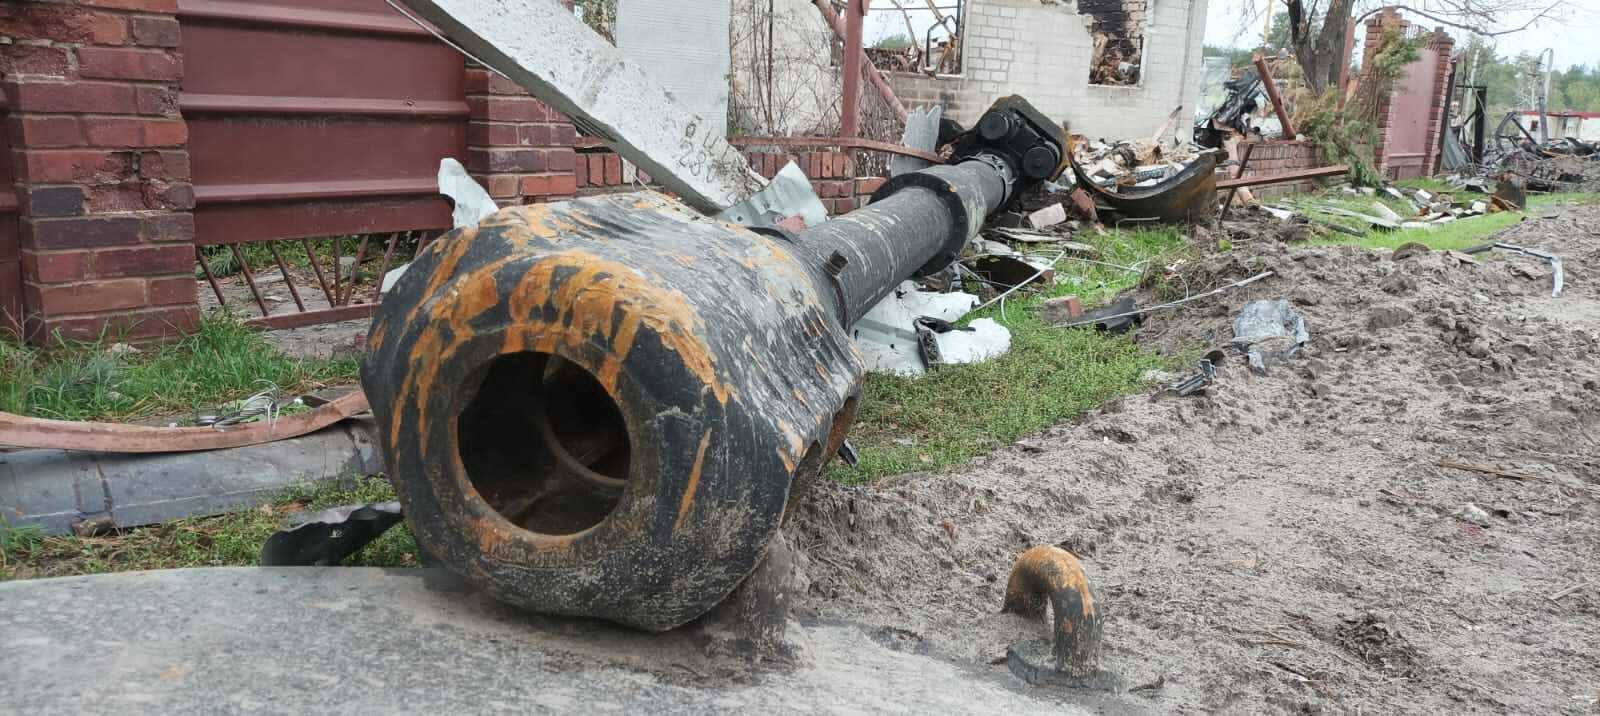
832 174
601 171
105 231
1278 158
101 169
10 241
517 147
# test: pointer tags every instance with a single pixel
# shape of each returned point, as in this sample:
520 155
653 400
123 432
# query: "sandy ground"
1290 542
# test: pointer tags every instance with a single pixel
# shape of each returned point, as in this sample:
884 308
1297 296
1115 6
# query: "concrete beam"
547 50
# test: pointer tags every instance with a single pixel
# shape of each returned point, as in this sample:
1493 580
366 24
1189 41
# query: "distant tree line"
1513 81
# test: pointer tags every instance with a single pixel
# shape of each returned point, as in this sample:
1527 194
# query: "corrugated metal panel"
315 118
10 241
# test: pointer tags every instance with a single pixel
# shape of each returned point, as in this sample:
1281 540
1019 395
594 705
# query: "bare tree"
1320 51
1316 27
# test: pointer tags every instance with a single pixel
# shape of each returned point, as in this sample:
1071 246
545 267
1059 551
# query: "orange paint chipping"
694 480
592 291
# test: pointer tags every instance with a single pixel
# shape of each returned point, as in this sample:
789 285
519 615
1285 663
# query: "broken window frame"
924 44
1143 27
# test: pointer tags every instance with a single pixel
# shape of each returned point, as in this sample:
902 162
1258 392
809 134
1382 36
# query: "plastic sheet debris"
888 339
1269 328
326 538
472 203
978 341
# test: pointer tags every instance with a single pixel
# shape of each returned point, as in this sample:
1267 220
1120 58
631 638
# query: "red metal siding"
10 242
313 118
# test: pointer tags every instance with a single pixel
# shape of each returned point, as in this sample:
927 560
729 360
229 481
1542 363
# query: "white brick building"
1041 51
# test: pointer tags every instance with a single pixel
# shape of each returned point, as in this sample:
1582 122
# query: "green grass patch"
223 541
1050 374
1459 234
222 361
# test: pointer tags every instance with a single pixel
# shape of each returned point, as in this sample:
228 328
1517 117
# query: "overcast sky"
1572 35
1572 32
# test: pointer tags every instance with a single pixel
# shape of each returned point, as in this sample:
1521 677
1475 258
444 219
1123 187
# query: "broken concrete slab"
369 640
575 71
1384 211
680 50
1048 216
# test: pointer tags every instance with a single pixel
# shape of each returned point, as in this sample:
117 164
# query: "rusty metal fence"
314 125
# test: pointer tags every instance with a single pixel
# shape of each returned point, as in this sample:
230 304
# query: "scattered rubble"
1560 164
1288 542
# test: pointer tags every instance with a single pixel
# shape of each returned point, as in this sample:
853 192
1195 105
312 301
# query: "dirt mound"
1234 534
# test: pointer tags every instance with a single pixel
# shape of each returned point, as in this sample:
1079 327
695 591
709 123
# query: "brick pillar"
517 147
102 169
1441 45
1388 17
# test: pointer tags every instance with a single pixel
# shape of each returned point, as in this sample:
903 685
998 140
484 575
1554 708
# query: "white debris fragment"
887 334
1384 211
1048 216
473 204
986 340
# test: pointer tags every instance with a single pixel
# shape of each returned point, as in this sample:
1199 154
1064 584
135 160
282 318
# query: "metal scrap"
23 431
1096 316
1204 376
1557 278
1048 575
326 538
1189 195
